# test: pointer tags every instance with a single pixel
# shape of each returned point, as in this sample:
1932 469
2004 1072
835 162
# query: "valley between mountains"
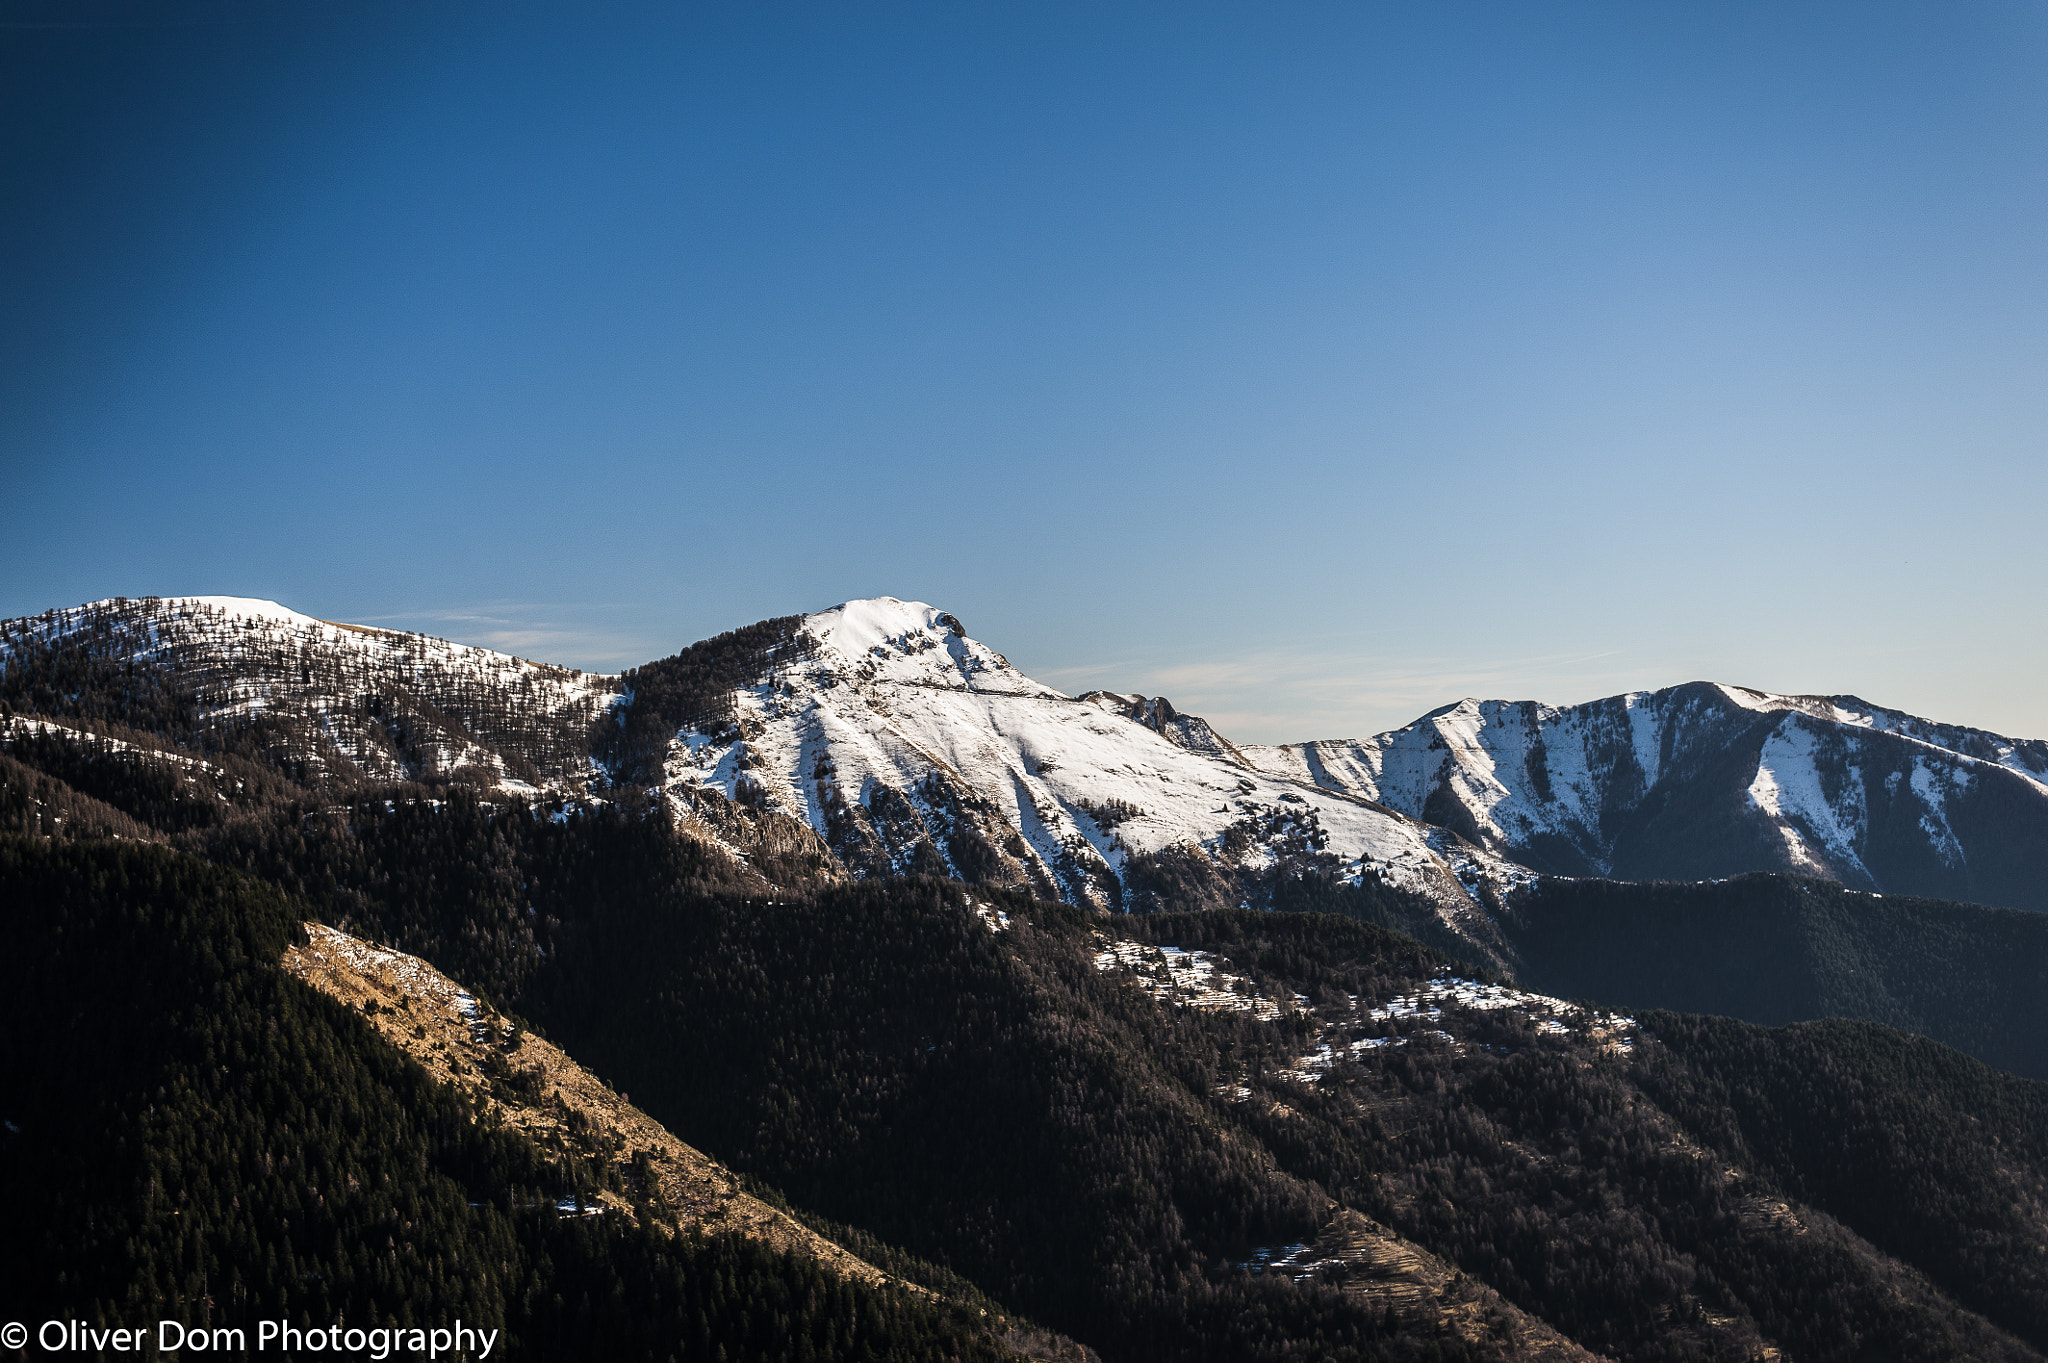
965 1018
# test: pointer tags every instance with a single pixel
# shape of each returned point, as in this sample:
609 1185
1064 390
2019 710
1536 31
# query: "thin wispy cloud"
1285 696
585 635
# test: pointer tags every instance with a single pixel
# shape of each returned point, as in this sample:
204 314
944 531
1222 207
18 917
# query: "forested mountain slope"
931 1068
1267 1135
1777 949
318 703
192 1134
532 1086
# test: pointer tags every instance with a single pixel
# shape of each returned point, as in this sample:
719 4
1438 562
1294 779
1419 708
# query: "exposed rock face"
1157 714
781 851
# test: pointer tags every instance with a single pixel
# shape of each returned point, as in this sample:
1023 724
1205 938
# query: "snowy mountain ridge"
1706 780
879 738
327 702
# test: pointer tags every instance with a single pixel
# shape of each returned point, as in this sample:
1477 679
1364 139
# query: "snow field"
1788 790
893 692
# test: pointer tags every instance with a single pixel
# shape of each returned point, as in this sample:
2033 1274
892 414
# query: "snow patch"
1934 789
1191 979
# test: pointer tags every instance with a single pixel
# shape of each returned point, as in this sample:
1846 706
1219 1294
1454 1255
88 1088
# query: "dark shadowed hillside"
1777 949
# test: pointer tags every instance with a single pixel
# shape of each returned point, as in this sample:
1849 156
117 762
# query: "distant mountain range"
1703 781
878 737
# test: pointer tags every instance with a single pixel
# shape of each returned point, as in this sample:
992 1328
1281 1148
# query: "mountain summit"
912 747
1702 781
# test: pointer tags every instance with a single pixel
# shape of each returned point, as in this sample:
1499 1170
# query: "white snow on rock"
1612 1032
1189 979
457 707
248 608
1178 977
1821 835
1517 776
893 693
1934 785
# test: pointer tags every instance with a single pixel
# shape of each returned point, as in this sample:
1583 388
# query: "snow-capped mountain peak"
246 608
909 746
882 639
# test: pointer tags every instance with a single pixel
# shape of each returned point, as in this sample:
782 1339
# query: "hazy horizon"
1260 698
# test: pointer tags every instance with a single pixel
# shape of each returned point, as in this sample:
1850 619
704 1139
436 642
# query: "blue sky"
1313 365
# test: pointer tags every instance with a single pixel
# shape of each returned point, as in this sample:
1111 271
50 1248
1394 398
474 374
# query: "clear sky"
1311 364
